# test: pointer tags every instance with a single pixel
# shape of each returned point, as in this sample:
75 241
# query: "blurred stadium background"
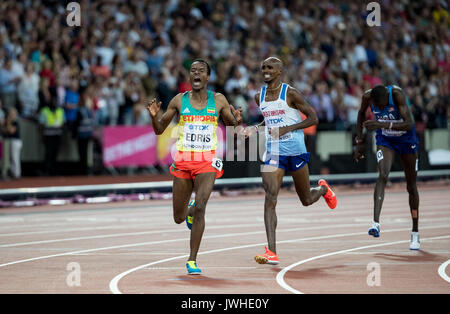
124 53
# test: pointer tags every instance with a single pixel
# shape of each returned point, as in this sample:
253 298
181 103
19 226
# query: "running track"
135 247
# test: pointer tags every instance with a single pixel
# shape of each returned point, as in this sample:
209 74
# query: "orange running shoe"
268 257
330 196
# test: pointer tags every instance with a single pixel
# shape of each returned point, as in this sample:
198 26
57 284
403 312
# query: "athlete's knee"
271 196
306 200
266 186
200 208
178 219
270 190
411 188
383 176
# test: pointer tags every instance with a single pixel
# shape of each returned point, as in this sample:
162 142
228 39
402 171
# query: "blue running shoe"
190 219
375 229
192 268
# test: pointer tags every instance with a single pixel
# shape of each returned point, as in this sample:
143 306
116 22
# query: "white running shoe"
415 241
375 229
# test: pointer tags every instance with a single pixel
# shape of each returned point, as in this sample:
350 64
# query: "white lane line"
69 230
114 235
284 285
115 217
286 218
113 285
222 226
80 252
441 271
122 246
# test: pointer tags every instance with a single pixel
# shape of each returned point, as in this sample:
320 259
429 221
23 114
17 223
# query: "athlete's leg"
306 194
203 185
385 158
272 183
409 162
182 190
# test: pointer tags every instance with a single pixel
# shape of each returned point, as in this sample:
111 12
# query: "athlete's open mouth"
196 82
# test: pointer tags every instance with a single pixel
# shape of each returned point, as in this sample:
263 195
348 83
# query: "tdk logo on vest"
275 121
197 127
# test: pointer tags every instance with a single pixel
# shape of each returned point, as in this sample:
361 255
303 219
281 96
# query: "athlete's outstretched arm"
365 102
229 115
296 99
252 129
161 120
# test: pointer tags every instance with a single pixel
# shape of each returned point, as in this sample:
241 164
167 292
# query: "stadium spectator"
12 143
135 64
28 92
72 100
52 120
116 97
8 85
47 72
321 101
84 125
99 69
3 163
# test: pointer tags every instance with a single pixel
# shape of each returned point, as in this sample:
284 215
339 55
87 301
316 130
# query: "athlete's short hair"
378 94
208 69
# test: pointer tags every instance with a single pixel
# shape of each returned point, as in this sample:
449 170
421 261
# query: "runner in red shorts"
195 167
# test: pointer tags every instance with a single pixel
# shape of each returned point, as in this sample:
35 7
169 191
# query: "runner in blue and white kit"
286 152
395 133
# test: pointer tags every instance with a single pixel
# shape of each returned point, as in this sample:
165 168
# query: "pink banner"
166 146
139 146
129 146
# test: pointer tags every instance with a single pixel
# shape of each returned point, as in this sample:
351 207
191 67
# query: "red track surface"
135 247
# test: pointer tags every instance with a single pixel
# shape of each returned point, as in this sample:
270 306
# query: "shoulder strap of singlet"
185 102
262 95
283 91
391 99
211 101
185 96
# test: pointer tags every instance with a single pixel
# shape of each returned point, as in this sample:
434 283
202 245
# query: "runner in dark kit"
395 134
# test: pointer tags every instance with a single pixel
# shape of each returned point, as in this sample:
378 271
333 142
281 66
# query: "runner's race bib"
217 164
285 137
198 136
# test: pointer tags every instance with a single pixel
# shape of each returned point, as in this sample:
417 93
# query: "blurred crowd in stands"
128 52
